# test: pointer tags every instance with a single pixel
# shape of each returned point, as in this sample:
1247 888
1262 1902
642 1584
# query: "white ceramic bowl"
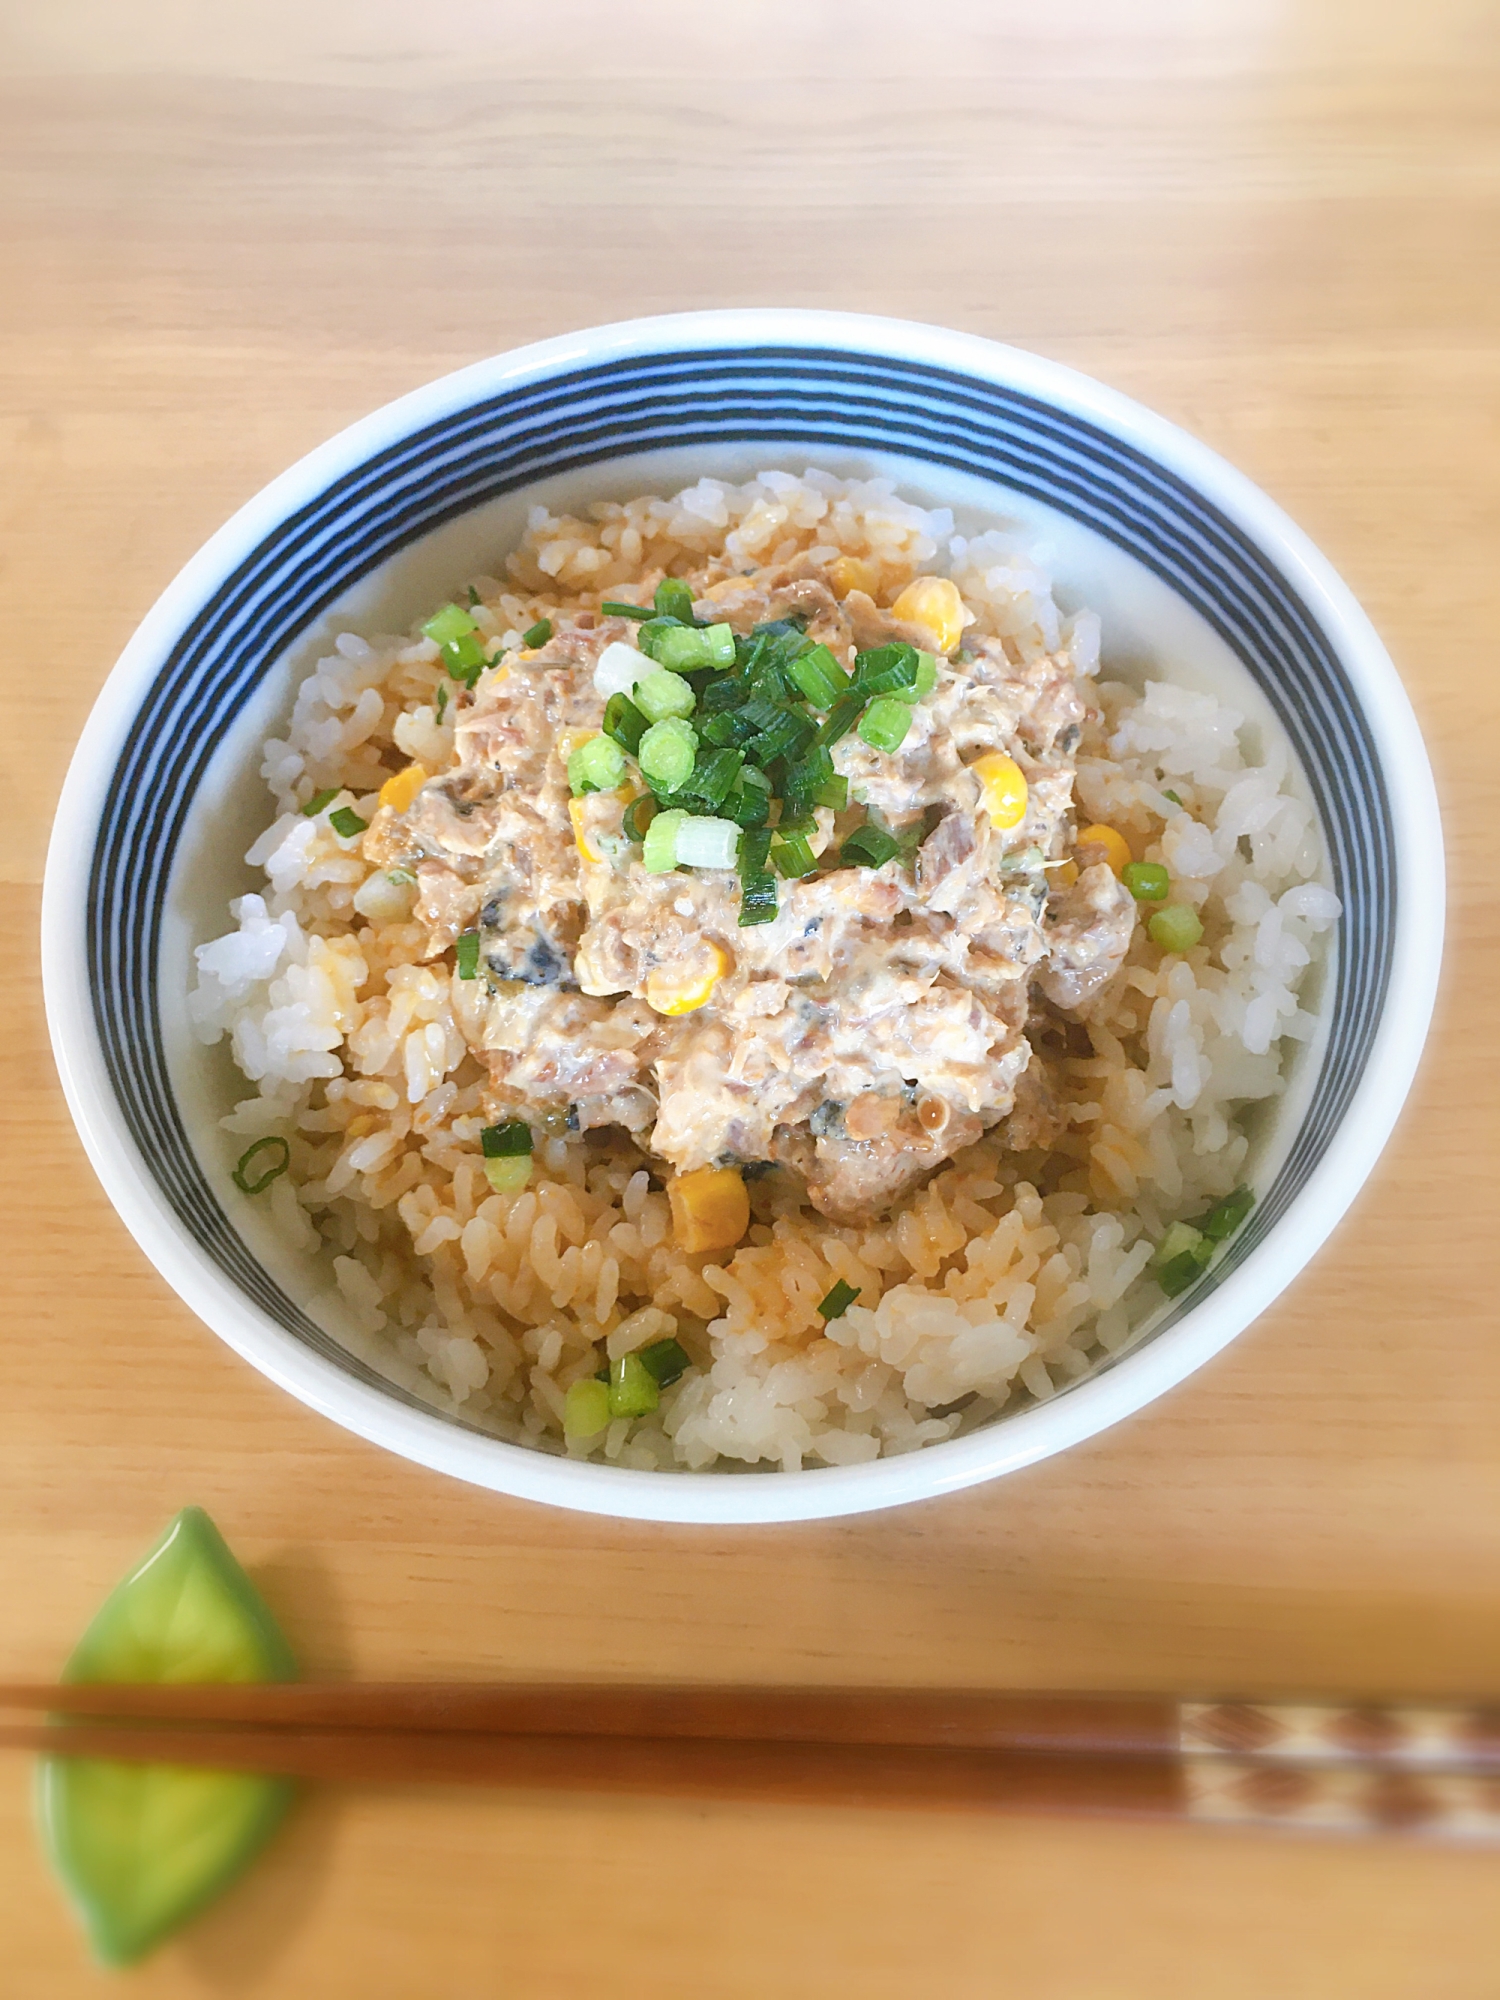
1189 564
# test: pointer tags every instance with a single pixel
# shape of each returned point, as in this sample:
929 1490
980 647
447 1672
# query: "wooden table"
229 232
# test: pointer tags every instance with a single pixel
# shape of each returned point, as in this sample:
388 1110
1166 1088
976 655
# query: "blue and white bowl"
1186 560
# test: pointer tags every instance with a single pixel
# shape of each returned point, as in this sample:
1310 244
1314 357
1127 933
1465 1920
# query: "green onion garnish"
506 1140
714 775
1174 798
926 679
869 846
1182 1253
755 847
887 669
758 900
465 658
820 677
633 1389
668 752
885 722
833 792
1175 928
538 634
466 952
1225 1217
674 599
508 1175
586 1409
596 766
665 1361
319 800
838 1301
839 720
638 816
685 648
1147 881
747 804
659 849
793 857
280 1160
660 695
442 700
451 623
473 596
707 843
347 823
610 610
788 736
624 722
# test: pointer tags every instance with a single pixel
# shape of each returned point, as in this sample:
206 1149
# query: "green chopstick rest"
141 1848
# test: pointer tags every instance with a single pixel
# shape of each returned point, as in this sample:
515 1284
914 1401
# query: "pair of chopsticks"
1418 1767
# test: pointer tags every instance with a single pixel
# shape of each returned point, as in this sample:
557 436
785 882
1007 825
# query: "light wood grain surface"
229 231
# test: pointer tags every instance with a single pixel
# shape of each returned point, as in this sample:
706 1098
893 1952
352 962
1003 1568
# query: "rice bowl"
143 868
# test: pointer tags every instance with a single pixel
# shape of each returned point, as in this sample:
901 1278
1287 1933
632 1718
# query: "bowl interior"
1181 588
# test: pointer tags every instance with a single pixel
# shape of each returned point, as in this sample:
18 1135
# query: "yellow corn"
671 991
846 573
1116 847
580 832
398 792
710 1208
1005 789
933 601
1063 875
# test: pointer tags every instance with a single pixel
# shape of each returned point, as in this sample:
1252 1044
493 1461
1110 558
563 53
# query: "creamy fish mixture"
883 1019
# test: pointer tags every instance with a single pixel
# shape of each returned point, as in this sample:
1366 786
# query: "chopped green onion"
714 775
1181 1239
633 1390
887 669
538 634
722 693
624 722
659 695
509 1174
466 953
1147 881
755 847
473 596
707 843
838 1301
611 610
1174 798
585 1409
1225 1217
319 800
820 677
684 648
788 736
869 846
659 850
793 857
464 658
666 1361
839 720
442 699
833 792
507 1140
667 754
596 766
805 779
347 823
280 1160
758 900
674 599
746 805
926 679
727 730
451 623
1178 1274
1175 928
885 722
638 816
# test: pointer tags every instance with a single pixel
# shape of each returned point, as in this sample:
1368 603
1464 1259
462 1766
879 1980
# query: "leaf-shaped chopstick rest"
141 1848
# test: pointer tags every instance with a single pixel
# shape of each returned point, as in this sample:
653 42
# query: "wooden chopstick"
1407 1736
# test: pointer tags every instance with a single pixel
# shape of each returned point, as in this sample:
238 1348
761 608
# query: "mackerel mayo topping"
857 1024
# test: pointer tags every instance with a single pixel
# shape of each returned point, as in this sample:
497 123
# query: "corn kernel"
1005 789
710 1208
846 573
672 991
933 601
1116 847
398 792
1064 875
581 839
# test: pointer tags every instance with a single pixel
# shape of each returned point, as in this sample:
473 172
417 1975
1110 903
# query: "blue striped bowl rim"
504 426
